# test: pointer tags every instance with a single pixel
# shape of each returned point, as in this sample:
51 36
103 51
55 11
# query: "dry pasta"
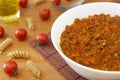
31 25
36 2
18 54
33 68
5 44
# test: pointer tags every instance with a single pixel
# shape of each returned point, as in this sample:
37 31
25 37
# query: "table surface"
49 73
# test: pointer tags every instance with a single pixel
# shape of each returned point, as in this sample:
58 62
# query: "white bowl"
67 18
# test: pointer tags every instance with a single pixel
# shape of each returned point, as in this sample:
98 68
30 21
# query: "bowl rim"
70 60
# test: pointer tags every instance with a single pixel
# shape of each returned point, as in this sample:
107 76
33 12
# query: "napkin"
49 53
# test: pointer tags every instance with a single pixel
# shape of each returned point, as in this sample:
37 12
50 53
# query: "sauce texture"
93 42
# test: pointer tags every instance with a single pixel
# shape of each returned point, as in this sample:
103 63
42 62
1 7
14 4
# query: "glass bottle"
9 10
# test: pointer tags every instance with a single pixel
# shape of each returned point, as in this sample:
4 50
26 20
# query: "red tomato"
44 14
21 34
10 67
42 38
1 31
23 3
57 2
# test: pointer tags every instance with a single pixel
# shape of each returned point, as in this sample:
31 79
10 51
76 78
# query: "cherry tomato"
23 3
10 67
57 2
21 34
42 38
44 14
1 31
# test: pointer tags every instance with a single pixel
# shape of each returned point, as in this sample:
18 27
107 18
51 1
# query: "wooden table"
49 73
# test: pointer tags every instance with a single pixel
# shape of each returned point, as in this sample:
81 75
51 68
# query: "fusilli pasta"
31 24
36 2
33 68
4 44
18 54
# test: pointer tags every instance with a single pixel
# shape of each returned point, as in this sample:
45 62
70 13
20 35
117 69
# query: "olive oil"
9 10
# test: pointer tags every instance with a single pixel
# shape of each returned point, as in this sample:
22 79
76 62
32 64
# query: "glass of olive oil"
9 10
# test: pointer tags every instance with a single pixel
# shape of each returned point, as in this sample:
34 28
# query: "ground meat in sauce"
94 42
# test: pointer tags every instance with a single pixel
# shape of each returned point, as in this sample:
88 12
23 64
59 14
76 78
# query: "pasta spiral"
33 68
30 22
5 44
18 54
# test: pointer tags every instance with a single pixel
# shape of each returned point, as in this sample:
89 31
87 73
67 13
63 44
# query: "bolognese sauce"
93 41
